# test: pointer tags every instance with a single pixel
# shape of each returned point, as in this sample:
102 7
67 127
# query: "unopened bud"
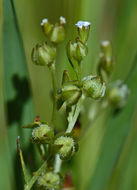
62 20
77 50
49 181
83 30
55 33
58 34
106 58
46 26
118 94
43 54
65 146
42 134
93 87
70 93
106 48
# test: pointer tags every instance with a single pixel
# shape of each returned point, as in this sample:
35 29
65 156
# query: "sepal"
43 55
65 146
93 87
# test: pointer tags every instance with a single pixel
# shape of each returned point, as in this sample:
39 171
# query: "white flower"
105 43
45 20
79 24
62 20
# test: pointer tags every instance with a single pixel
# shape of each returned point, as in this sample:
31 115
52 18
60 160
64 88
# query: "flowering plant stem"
55 146
36 175
54 83
72 121
75 115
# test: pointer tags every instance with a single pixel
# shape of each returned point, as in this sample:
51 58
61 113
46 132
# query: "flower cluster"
55 147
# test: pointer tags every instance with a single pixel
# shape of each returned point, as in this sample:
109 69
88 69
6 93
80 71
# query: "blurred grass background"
107 158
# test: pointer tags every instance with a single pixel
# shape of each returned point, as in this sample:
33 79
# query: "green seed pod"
93 87
49 181
118 94
65 147
70 93
43 55
55 33
77 50
42 134
83 30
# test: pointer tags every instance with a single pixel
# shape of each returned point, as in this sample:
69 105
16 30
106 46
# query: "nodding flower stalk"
55 146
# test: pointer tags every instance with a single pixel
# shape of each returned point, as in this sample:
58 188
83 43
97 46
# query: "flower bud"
43 54
77 50
46 26
83 30
49 181
118 94
42 134
70 93
106 48
93 87
58 34
106 59
65 146
55 33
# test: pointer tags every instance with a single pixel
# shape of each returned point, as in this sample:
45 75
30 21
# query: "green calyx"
43 55
118 94
84 33
77 50
106 61
70 93
58 34
93 87
42 134
65 147
49 181
55 33
83 28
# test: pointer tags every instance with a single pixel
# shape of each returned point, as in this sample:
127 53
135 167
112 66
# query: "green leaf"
17 94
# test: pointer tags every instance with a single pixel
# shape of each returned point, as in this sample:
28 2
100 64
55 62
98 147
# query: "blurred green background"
107 158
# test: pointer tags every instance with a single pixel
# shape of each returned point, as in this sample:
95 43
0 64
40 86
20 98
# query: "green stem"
43 167
41 150
99 72
53 119
76 114
57 164
72 122
36 175
22 161
80 73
